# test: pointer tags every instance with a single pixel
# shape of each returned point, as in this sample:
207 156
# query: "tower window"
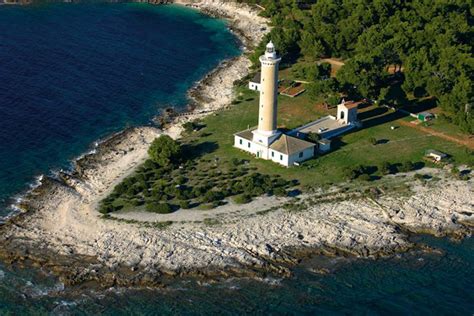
240 141
248 145
301 155
281 157
273 154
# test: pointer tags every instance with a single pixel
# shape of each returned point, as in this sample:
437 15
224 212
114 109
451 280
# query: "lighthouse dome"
270 51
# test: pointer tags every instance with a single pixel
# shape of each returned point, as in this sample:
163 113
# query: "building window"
301 155
281 157
248 145
273 154
240 141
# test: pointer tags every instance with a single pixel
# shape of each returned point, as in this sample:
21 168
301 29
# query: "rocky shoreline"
61 231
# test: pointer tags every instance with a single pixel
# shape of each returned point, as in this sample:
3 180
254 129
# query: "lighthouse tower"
267 112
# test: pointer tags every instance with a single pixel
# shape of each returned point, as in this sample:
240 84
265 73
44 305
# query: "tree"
313 137
164 151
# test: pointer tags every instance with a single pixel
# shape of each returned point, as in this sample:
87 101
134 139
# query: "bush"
189 127
419 176
160 208
164 150
373 141
280 192
242 199
236 161
184 204
407 166
313 137
385 168
212 196
365 177
106 209
136 202
181 180
349 173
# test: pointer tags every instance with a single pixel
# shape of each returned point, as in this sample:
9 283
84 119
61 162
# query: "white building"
329 126
255 83
266 141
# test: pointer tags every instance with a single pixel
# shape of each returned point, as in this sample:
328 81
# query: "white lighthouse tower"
267 112
266 141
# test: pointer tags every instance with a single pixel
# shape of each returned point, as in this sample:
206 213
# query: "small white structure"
347 112
266 141
255 83
329 126
435 155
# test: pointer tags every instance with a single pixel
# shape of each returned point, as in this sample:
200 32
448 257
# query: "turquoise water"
70 74
73 73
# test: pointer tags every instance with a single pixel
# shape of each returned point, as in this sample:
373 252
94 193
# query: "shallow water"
73 73
414 283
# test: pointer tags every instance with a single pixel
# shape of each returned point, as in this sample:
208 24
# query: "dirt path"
465 142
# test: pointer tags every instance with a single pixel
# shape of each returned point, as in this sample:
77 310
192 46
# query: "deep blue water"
70 74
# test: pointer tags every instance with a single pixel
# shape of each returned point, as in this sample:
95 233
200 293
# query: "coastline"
62 232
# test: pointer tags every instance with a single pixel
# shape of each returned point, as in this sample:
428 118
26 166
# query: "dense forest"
427 42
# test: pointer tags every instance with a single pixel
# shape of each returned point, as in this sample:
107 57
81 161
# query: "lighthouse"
267 132
265 141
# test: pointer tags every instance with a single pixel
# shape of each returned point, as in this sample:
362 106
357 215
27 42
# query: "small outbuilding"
347 112
255 83
425 116
435 155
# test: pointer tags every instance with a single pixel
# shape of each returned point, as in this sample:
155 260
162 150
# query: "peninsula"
275 216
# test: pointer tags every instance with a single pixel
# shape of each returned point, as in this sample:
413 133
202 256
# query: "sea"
72 74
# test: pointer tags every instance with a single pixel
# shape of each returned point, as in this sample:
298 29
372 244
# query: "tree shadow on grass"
194 151
417 106
376 118
336 144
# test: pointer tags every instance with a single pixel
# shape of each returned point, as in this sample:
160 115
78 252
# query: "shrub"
313 137
385 168
184 204
242 199
164 150
161 208
373 141
136 202
419 176
106 208
407 166
365 177
181 180
236 161
280 192
349 173
211 196
189 127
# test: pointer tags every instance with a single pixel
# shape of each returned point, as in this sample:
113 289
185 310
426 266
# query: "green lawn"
396 146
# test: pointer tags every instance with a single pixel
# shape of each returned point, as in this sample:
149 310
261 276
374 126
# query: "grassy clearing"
393 146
